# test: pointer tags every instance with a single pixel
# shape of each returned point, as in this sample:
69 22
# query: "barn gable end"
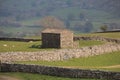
57 38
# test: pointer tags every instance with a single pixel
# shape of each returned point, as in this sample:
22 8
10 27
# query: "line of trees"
109 26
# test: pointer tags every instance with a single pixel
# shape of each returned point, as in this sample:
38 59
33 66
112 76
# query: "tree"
51 22
104 28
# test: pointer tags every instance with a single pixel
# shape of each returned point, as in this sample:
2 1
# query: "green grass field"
26 76
109 62
102 62
17 46
27 46
83 43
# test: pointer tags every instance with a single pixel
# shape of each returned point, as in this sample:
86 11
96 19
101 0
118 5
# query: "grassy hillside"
109 62
26 9
92 15
96 17
27 46
28 12
102 62
18 46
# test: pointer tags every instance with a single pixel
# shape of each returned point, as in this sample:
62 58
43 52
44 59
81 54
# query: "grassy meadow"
27 76
110 61
8 46
83 43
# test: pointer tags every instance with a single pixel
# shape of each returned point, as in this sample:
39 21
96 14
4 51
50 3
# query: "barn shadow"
36 46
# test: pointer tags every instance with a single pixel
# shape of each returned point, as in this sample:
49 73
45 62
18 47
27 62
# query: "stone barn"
57 38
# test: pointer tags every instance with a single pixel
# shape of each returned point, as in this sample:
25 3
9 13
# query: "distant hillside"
78 15
24 9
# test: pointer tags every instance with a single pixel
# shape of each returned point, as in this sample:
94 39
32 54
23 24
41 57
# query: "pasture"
8 46
110 61
27 76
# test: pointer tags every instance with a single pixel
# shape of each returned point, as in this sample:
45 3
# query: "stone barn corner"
57 38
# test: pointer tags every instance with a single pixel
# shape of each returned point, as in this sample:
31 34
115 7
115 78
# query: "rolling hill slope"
27 12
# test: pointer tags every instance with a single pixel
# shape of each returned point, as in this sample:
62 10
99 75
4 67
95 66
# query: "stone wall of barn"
66 40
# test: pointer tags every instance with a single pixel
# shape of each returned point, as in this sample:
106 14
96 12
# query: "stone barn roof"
49 30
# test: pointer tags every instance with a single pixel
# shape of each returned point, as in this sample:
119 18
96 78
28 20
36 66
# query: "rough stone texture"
57 38
59 54
97 38
62 54
18 39
61 72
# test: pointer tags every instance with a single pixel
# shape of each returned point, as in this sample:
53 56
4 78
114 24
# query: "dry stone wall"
59 54
18 39
61 72
97 38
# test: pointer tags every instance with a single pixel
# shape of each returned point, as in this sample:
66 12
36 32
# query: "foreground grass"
94 62
27 76
36 46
